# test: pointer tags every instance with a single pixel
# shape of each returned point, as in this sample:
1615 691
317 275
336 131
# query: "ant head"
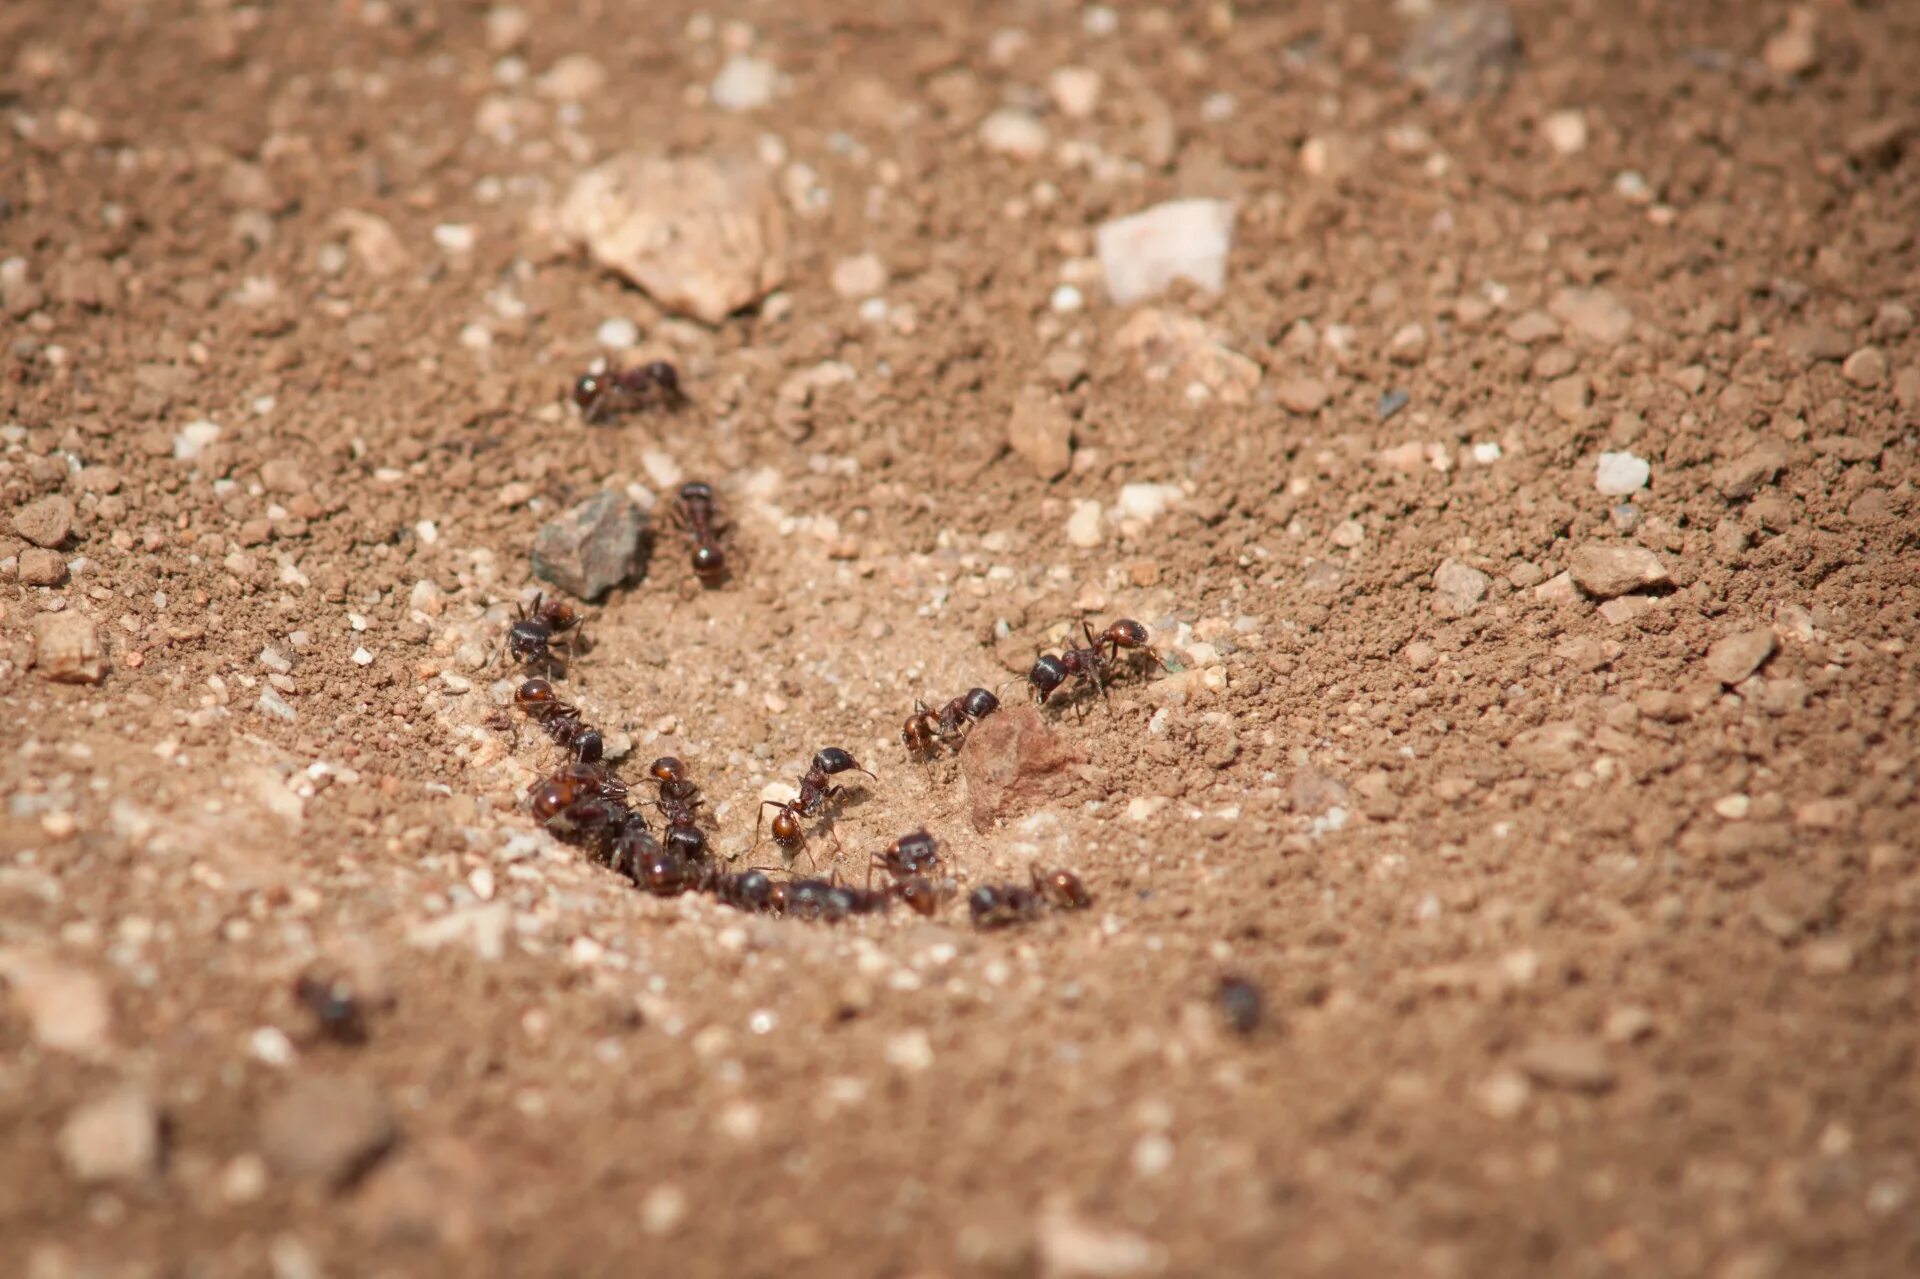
588 388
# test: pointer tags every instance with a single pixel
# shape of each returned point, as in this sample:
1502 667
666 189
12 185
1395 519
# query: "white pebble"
1086 526
454 237
744 84
475 337
1099 20
1144 253
860 276
1152 1155
1218 107
361 657
1011 131
617 334
664 1208
1566 131
271 1045
1066 300
1148 501
1486 454
1618 474
910 1050
193 437
1075 90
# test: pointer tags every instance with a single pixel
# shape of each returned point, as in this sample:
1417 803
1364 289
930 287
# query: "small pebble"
744 84
1390 404
1086 527
1241 1004
45 522
112 1138
361 657
617 334
1013 132
1618 474
454 237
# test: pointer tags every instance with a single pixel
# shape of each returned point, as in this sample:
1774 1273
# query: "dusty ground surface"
1586 947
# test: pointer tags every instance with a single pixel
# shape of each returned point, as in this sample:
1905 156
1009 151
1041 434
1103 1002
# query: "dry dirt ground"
1587 938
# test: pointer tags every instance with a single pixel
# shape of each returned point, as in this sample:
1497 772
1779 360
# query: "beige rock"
1304 395
66 1008
372 239
1458 588
115 1137
45 522
1605 571
1181 349
1734 657
704 236
1040 432
66 648
1571 1062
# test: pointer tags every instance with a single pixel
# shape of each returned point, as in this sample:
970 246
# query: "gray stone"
115 1137
1606 571
45 522
1040 432
327 1129
1462 51
592 548
1458 588
1734 657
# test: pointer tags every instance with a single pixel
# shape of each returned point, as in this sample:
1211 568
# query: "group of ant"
585 804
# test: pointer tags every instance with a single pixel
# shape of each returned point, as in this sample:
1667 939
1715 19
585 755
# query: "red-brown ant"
909 855
1050 672
646 386
540 627
815 791
537 700
699 519
925 730
679 798
1000 905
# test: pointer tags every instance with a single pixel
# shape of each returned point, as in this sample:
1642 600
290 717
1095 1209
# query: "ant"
822 899
653 385
679 798
581 802
1050 672
748 890
915 854
538 629
1000 905
815 791
1130 635
562 722
334 1008
699 519
925 730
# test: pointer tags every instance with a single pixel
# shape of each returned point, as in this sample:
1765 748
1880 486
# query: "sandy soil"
1585 934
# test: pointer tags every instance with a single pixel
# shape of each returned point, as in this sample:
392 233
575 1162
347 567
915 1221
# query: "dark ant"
821 899
815 791
537 700
1001 905
334 1008
925 730
1050 672
679 798
699 519
538 629
910 855
748 890
646 386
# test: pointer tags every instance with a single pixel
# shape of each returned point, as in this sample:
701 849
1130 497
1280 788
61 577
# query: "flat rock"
327 1129
1168 347
1461 51
115 1137
1744 476
1302 395
1813 343
66 1008
1594 314
1011 762
592 548
1572 1062
1458 588
1734 657
45 522
66 648
1144 253
1607 570
703 236
1040 432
